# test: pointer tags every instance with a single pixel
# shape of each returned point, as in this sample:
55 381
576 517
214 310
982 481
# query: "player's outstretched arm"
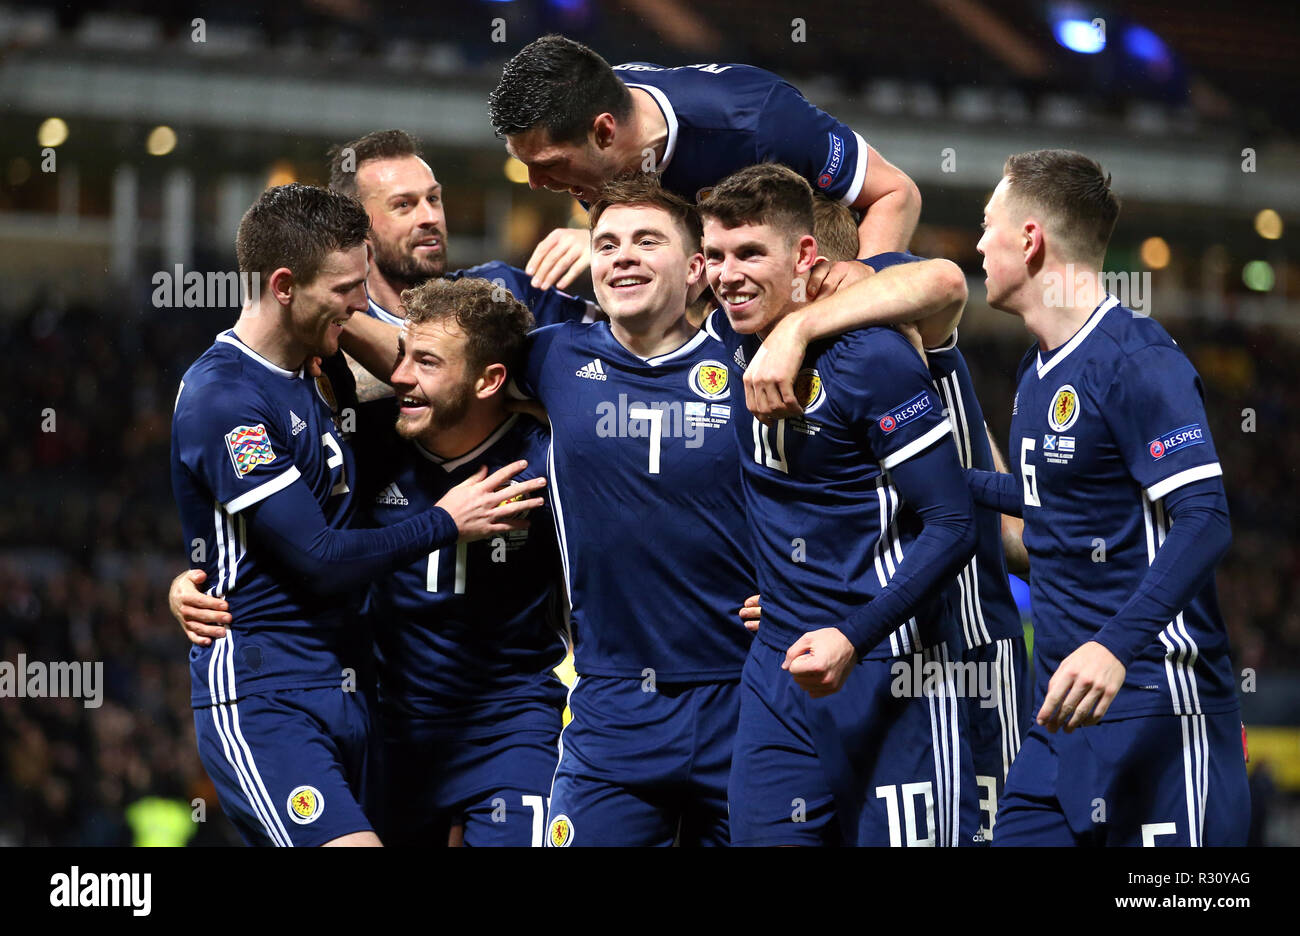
372 344
1013 528
905 292
932 484
291 526
996 491
201 616
890 204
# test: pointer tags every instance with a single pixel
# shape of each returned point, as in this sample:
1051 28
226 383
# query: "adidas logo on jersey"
739 358
593 371
392 496
296 424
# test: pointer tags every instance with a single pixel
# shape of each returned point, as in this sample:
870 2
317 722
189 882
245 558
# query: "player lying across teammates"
845 477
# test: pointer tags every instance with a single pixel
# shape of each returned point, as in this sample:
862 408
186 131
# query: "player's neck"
653 334
482 419
651 130
263 329
385 294
1060 304
791 306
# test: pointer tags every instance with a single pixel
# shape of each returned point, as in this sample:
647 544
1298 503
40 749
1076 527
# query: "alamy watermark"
36 680
918 677
178 289
1133 290
632 419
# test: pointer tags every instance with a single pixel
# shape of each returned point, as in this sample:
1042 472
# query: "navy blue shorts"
496 787
874 764
1148 780
644 767
998 715
290 767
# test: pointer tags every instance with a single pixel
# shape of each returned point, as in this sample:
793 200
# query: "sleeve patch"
1176 440
907 412
834 161
249 447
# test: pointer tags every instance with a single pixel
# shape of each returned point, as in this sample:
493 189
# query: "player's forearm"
890 220
1199 536
995 490
1013 545
1013 528
369 387
907 292
372 344
931 483
329 561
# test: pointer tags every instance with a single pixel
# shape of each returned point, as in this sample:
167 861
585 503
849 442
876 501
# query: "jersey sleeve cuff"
916 446
859 173
263 491
1175 481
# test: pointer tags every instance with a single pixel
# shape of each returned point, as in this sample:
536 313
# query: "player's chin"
409 426
429 263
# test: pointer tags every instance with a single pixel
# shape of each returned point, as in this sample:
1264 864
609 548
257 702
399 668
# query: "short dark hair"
559 85
643 188
1073 192
347 159
495 323
296 226
765 193
835 229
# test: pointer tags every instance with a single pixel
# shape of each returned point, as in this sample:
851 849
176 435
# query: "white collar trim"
1106 305
450 465
228 337
670 117
383 314
698 339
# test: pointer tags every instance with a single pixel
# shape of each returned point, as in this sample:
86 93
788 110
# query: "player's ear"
694 270
490 381
281 284
1034 246
603 129
805 253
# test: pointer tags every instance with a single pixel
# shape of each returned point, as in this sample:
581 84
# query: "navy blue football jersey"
722 118
466 633
244 429
982 592
549 306
829 527
1101 430
983 599
645 487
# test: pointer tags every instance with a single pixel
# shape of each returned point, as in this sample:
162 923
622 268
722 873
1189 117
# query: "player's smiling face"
640 266
408 227
581 168
1003 248
319 309
431 379
752 269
